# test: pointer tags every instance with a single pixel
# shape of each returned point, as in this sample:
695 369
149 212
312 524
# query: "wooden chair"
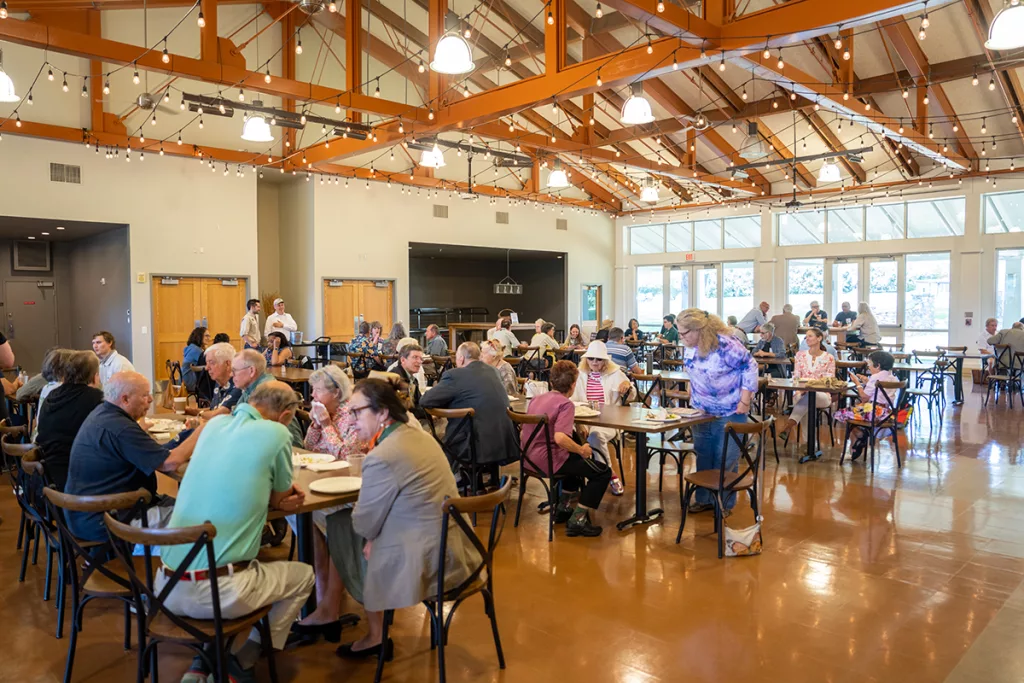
480 580
722 483
528 469
893 348
27 531
160 624
99 577
655 387
470 469
873 426
1003 373
33 481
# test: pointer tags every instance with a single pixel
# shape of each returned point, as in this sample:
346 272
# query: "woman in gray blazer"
406 478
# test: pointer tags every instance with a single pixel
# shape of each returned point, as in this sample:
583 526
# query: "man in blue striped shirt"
621 354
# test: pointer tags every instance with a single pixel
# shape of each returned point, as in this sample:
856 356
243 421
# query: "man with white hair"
235 500
982 344
113 454
787 325
279 321
249 372
225 393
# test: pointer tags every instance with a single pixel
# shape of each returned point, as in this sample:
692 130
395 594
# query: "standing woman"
864 327
278 350
192 359
406 479
723 380
812 363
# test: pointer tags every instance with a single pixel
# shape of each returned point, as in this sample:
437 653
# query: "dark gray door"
30 309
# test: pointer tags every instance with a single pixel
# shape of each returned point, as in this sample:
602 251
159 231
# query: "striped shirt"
595 390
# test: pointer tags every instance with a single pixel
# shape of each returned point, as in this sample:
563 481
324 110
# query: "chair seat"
887 422
479 584
101 585
163 628
658 442
920 392
708 479
999 378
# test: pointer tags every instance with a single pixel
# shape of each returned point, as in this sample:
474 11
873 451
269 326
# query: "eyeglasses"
353 411
235 370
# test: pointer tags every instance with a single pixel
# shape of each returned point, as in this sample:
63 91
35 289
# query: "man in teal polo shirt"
242 465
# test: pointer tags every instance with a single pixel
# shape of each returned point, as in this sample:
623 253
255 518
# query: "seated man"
436 345
474 384
409 367
983 345
621 354
113 454
249 371
225 393
235 500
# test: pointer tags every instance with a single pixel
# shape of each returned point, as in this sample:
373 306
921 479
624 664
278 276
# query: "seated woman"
771 347
221 338
567 456
545 341
814 363
278 351
65 409
490 353
406 478
633 332
397 334
880 370
192 364
735 331
330 431
575 338
602 381
864 328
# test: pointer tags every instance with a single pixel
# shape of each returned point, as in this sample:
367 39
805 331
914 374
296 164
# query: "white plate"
329 466
165 426
306 459
335 485
671 417
586 411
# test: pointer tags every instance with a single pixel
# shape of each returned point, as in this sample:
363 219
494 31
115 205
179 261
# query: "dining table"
293 376
632 419
958 359
789 384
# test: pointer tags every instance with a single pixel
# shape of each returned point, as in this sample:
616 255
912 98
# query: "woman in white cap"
602 381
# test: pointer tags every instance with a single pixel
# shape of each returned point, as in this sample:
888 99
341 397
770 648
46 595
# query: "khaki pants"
285 585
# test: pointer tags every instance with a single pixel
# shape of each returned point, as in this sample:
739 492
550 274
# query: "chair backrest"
455 414
645 396
893 347
541 427
882 398
669 364
740 434
124 537
952 349
455 509
1004 358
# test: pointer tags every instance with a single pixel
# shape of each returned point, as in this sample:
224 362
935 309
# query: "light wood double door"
181 304
349 302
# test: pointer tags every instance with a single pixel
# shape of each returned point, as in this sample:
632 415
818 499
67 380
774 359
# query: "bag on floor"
743 542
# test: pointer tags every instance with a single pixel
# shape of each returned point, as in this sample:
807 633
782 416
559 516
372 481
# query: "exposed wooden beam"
1009 82
780 149
941 72
834 144
208 35
353 34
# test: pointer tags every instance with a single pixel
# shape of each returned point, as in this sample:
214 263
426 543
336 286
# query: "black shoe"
697 508
562 514
582 527
856 453
346 651
302 634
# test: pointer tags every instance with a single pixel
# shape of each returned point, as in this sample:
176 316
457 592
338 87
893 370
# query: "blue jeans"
707 442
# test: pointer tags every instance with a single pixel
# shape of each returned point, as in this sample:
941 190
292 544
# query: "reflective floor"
900 575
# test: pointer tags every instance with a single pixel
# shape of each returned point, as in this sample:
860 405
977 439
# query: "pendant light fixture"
558 178
649 193
636 110
432 158
7 93
829 172
452 54
255 127
1007 29
752 147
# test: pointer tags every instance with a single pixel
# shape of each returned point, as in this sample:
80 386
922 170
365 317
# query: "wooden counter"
478 332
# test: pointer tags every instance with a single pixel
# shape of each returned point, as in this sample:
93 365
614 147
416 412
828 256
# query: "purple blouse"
717 379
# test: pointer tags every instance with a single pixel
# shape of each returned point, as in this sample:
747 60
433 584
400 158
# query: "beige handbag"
747 541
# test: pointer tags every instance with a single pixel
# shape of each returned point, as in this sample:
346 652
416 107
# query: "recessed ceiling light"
60 227
31 237
45 233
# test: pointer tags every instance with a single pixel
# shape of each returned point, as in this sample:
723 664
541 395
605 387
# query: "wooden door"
223 305
176 312
375 303
339 309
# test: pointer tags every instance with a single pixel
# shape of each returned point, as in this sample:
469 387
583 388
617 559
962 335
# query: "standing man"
436 345
754 318
111 362
787 325
236 499
250 331
279 321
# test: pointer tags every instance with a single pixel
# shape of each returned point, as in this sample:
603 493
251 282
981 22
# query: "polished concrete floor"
899 575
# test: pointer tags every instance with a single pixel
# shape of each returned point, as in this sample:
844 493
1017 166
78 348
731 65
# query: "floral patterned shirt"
362 344
809 367
338 437
716 380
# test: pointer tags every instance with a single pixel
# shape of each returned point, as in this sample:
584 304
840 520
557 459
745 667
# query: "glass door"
707 288
591 303
885 277
650 297
926 301
679 287
845 286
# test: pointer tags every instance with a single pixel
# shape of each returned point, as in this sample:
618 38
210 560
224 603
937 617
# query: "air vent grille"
562 224
501 217
65 173
440 211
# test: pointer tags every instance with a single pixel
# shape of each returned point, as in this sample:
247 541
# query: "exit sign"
689 257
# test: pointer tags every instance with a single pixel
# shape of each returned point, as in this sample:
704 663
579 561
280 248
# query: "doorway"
181 304
590 306
350 302
721 288
31 308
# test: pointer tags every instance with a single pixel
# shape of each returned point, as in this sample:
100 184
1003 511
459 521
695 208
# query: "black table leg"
643 515
304 548
958 381
812 429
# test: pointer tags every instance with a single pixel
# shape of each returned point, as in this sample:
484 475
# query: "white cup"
179 405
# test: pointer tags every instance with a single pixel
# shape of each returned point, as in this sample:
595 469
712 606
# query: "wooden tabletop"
850 364
674 375
792 384
912 367
291 375
625 418
773 361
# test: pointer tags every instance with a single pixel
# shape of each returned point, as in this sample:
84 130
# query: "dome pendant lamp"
1007 29
636 110
7 93
452 54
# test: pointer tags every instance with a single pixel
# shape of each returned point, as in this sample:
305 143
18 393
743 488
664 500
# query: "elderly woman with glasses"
723 380
332 431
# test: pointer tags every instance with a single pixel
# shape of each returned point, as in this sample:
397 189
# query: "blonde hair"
609 367
709 326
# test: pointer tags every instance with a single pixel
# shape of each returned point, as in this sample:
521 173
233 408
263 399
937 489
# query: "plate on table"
329 466
165 426
586 411
652 416
336 485
307 459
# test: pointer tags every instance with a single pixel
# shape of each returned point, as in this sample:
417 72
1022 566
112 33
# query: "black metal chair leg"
522 492
21 530
388 616
49 570
127 627
35 549
684 500
25 549
69 663
489 609
268 647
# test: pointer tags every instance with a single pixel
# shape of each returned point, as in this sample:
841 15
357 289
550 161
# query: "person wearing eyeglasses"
249 371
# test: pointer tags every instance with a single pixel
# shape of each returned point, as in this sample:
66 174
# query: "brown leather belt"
204 575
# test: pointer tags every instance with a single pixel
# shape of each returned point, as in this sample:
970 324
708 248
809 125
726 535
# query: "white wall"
297 246
268 221
182 219
972 256
362 233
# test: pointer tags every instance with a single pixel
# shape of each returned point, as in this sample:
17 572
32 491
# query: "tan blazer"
406 478
786 325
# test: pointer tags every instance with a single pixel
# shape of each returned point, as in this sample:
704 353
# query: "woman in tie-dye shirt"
723 380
